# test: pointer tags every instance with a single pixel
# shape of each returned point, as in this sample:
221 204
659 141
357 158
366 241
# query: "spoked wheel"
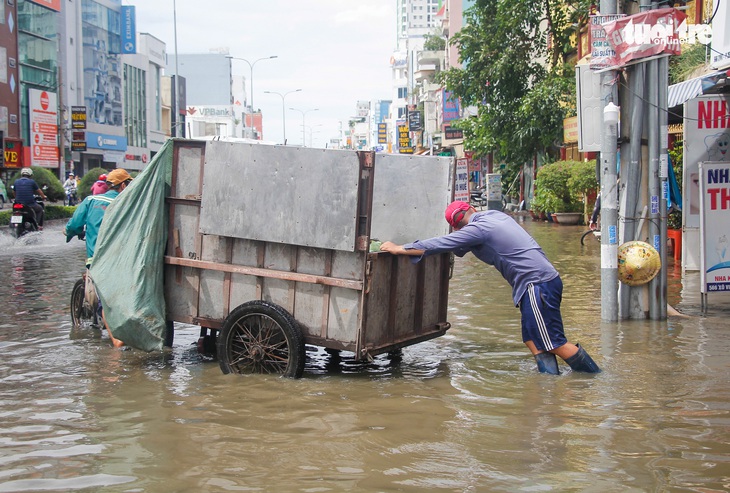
82 313
261 337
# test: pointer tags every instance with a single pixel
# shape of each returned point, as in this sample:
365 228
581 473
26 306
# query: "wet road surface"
461 413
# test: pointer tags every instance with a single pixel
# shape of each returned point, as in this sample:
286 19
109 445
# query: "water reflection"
464 412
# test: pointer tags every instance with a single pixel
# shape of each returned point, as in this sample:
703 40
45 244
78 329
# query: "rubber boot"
581 361
547 363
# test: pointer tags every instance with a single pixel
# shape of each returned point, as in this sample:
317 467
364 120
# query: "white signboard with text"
43 128
715 227
706 139
461 187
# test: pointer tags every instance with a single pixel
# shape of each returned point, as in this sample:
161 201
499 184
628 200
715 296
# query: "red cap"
452 212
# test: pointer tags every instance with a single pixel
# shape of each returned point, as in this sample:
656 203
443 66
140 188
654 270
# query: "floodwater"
466 412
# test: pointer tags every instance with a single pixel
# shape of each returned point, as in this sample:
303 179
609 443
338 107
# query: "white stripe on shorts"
542 328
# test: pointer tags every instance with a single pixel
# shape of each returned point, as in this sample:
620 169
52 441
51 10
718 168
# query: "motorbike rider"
99 185
88 216
70 186
25 191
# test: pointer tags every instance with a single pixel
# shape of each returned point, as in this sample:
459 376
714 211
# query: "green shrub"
562 186
44 178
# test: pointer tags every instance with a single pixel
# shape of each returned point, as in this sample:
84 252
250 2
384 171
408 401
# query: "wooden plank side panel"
405 302
309 309
406 298
433 297
244 287
181 283
213 296
343 315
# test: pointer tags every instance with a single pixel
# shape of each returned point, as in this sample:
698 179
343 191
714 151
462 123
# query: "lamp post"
304 113
311 132
250 66
283 107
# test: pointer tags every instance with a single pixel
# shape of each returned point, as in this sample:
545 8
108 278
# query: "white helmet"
26 172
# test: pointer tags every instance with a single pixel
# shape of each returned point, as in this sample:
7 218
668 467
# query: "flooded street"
466 412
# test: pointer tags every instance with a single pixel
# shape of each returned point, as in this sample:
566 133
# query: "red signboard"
13 153
646 34
51 4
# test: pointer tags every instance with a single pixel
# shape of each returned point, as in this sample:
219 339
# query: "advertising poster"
43 128
715 227
602 54
461 188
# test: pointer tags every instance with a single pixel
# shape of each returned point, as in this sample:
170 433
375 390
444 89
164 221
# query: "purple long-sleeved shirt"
496 239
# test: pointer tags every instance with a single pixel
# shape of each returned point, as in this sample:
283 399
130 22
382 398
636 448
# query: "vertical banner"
404 138
129 30
715 227
43 128
382 133
461 187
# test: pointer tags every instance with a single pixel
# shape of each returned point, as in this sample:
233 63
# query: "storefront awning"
684 91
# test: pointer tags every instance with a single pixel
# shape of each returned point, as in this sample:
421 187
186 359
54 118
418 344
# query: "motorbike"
71 197
477 197
23 220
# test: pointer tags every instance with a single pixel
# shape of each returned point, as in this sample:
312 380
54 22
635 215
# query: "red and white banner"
43 128
643 35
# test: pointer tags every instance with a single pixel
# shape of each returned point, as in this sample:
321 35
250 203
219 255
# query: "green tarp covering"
128 262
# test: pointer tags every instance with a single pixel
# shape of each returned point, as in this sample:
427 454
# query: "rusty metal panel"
279 194
410 195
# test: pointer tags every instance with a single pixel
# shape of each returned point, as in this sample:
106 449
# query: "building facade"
9 88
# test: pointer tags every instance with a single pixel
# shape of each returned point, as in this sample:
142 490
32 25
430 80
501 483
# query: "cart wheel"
82 314
261 337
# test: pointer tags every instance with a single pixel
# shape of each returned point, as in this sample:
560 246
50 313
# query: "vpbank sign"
106 142
129 30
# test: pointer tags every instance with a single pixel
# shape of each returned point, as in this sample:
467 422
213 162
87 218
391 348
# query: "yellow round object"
638 263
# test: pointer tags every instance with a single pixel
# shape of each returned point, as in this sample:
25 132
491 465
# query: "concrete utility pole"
609 191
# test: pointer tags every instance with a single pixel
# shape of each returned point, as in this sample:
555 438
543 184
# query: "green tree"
512 55
434 42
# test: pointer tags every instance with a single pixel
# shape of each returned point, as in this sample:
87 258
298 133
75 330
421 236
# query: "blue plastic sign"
129 30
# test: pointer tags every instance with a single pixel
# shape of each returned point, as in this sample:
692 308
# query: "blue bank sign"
129 30
106 142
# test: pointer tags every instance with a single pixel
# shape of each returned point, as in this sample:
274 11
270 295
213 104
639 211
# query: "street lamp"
304 113
250 66
311 128
283 107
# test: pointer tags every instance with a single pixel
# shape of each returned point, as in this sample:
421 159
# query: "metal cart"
268 251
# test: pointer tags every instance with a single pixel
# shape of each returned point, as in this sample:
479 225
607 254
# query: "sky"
338 52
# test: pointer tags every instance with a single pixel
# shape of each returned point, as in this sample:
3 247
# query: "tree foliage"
434 42
513 71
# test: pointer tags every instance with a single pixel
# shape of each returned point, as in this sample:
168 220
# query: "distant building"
216 100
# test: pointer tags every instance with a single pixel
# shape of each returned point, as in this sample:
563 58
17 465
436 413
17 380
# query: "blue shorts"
541 320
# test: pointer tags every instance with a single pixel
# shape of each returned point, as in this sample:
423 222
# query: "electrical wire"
624 85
